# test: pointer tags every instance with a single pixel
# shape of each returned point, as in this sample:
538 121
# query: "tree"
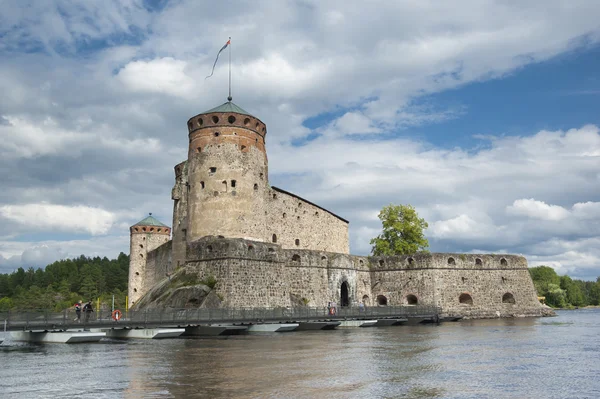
402 232
542 277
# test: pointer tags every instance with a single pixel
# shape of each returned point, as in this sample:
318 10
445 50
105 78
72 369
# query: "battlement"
150 229
218 120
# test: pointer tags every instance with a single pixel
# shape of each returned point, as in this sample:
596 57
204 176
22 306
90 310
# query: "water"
511 358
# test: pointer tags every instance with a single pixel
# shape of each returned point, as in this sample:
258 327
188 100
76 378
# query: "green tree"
542 276
402 232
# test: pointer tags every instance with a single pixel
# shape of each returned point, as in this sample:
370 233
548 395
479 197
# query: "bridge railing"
182 317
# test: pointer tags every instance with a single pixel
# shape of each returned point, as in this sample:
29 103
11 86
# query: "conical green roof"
228 107
150 221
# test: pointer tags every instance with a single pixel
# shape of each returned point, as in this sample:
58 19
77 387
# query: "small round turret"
145 236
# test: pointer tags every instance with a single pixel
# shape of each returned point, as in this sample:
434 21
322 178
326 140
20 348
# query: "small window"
158 230
137 273
141 246
256 125
231 119
382 300
141 255
209 248
299 204
317 214
213 169
135 228
202 184
255 187
381 262
451 261
503 262
190 126
247 121
224 182
360 262
298 217
274 238
261 176
243 147
233 183
200 122
284 215
324 258
151 228
296 258
274 196
217 134
199 149
410 261
478 262
215 119
143 228
250 247
135 290
464 279
297 242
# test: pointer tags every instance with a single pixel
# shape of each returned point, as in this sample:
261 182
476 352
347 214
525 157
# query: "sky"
484 115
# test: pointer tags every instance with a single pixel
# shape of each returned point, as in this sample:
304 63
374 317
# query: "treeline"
64 282
562 291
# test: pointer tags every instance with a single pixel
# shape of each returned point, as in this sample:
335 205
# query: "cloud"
162 75
96 97
537 210
59 217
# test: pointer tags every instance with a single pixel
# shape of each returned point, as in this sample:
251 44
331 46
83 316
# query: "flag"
219 53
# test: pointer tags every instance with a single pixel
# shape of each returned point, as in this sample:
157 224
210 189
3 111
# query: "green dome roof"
228 107
150 221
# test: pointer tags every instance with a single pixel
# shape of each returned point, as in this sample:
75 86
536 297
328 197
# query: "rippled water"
512 358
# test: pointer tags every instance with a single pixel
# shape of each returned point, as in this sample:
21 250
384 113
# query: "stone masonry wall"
266 275
158 264
294 223
180 208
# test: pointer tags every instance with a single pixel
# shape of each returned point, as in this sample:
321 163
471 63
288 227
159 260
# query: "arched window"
202 184
255 187
451 261
345 294
231 119
412 299
274 238
508 298
382 300
200 122
296 258
503 262
478 262
297 242
410 261
250 247
465 299
365 299
381 262
215 119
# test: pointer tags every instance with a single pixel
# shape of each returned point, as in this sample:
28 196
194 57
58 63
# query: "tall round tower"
227 174
145 236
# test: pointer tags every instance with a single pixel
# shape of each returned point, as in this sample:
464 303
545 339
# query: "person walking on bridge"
77 312
88 309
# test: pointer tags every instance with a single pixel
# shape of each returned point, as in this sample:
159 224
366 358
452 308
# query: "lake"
555 357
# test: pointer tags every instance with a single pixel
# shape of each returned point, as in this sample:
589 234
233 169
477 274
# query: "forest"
562 291
61 284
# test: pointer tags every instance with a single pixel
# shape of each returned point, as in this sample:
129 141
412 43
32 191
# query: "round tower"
145 236
227 174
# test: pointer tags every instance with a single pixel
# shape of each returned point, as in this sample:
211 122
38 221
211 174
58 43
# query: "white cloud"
537 210
163 75
59 217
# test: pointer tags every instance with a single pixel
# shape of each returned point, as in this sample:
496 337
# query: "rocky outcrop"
179 291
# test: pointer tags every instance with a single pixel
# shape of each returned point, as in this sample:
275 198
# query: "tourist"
77 312
88 309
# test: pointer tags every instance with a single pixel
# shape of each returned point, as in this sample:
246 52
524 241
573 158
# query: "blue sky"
481 114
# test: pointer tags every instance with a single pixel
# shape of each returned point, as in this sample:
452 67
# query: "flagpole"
229 98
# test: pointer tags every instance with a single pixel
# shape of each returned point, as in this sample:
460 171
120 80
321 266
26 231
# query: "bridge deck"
41 321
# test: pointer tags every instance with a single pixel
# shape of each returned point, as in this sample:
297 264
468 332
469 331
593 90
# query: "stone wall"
295 223
159 264
265 275
180 208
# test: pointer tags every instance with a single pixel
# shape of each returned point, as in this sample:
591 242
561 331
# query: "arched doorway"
508 298
381 300
344 295
412 300
465 299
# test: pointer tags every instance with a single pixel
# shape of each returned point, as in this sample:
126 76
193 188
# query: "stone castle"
261 246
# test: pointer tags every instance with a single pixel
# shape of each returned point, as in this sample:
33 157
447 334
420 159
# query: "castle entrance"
344 297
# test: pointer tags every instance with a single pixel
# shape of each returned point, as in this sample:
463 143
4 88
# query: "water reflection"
511 358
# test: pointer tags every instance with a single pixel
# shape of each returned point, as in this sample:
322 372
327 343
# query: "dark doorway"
344 298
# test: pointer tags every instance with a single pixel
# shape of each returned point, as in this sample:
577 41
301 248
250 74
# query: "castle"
265 247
